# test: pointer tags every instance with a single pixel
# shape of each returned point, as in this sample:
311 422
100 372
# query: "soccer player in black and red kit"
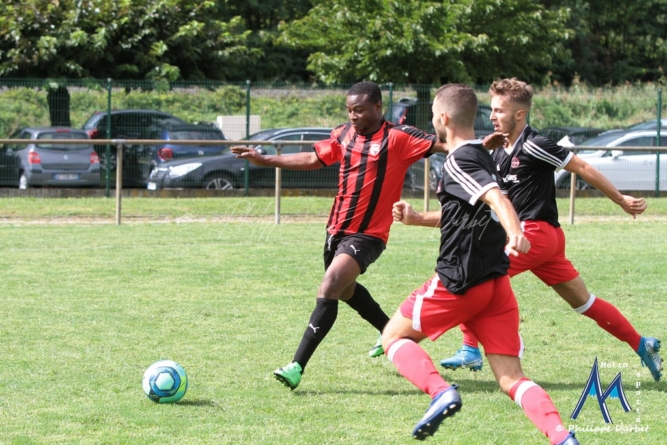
526 168
479 228
374 156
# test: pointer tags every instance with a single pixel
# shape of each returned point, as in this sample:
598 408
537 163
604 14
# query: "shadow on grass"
198 402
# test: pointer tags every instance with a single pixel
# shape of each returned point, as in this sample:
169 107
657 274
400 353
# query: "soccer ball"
165 382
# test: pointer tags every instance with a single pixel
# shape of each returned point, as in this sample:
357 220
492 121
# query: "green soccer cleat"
289 375
377 350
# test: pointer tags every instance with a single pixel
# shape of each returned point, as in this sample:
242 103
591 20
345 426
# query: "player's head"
364 106
455 105
511 100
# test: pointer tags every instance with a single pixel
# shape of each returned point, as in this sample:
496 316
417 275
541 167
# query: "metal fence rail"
654 169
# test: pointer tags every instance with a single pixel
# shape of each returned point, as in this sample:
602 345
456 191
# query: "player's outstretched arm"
296 161
633 206
403 212
495 140
516 242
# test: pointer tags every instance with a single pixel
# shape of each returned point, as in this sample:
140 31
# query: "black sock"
368 309
321 320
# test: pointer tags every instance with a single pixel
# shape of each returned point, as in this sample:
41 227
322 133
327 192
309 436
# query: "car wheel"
103 161
409 181
433 179
218 182
23 182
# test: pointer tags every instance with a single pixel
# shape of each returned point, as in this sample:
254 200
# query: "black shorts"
364 249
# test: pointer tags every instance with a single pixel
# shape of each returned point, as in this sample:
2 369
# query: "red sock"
415 365
539 408
611 320
468 338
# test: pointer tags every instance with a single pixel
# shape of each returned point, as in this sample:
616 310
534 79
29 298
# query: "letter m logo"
594 389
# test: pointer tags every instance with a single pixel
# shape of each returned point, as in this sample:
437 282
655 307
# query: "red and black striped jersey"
527 175
371 175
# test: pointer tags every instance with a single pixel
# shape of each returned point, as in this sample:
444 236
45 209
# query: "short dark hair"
366 88
460 101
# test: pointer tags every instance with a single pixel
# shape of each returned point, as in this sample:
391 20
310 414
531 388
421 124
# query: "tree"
427 42
135 39
613 42
121 39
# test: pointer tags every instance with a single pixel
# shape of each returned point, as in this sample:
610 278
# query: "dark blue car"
171 149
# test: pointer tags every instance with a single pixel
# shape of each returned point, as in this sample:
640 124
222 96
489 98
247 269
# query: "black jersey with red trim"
527 175
472 240
371 175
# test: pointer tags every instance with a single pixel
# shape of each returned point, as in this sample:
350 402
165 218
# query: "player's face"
364 115
438 125
503 115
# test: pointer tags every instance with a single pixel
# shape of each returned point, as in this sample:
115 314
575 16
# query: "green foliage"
144 39
295 106
614 42
428 42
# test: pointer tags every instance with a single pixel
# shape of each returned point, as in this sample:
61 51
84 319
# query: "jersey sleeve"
329 151
469 175
547 151
414 143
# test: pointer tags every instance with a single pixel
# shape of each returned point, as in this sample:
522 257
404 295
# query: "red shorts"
489 310
546 257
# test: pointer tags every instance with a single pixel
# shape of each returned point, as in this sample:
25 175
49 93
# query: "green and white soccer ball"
165 382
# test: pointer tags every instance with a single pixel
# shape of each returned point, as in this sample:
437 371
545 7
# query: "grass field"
87 306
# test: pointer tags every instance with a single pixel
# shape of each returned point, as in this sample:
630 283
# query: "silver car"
61 164
627 170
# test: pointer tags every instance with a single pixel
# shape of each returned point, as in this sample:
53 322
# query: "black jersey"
527 175
472 241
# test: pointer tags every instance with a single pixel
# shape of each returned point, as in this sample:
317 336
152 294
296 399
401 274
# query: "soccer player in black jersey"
478 226
526 167
374 156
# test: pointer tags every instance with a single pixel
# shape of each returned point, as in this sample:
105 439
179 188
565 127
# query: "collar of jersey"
470 142
508 151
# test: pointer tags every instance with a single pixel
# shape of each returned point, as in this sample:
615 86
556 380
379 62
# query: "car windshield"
601 140
263 135
650 125
64 135
195 135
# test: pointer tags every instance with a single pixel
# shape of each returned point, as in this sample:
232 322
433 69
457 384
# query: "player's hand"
634 206
248 153
495 140
403 212
517 244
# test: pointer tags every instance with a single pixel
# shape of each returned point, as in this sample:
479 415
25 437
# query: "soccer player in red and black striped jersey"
374 157
470 286
526 167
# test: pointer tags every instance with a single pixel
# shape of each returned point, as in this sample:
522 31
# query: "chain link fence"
185 129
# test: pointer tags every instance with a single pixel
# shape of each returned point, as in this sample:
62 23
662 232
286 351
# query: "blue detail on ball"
165 381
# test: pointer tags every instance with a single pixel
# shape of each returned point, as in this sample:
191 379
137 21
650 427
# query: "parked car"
226 171
9 166
436 161
574 135
172 133
627 170
405 112
127 124
649 125
54 164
